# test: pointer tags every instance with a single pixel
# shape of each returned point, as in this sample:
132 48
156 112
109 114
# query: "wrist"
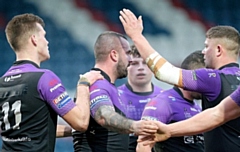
132 128
83 81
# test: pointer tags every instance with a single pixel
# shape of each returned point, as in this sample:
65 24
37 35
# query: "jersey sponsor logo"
62 103
199 138
62 100
193 109
172 98
98 99
120 93
238 78
15 71
194 75
237 73
92 132
15 139
188 139
149 118
60 97
145 101
12 77
150 107
55 87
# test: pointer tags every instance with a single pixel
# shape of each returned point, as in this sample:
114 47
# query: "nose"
203 51
140 66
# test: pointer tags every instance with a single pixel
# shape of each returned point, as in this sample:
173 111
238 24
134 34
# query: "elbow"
101 122
81 126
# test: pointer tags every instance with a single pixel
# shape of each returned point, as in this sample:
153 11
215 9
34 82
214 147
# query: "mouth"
141 74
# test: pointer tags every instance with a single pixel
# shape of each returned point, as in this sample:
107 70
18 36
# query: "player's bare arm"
220 114
79 116
162 69
108 118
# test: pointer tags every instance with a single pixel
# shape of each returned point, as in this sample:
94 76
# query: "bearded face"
121 69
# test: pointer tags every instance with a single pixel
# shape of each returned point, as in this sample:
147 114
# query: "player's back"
27 122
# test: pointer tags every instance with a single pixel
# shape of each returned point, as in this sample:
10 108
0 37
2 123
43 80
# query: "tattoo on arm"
108 118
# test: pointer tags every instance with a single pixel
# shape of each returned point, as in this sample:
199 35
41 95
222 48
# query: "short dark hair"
134 51
106 42
20 27
193 61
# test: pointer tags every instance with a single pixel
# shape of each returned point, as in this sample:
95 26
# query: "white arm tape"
168 73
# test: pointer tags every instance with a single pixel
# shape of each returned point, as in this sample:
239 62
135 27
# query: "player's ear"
114 55
33 40
219 50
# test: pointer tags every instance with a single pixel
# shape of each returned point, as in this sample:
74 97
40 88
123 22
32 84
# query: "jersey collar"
103 74
229 65
140 93
25 62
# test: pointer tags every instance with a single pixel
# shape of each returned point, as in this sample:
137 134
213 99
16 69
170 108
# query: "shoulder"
167 96
49 73
49 76
102 85
157 89
122 87
206 71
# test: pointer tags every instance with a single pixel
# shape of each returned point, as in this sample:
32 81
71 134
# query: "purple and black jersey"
30 100
134 103
215 85
98 138
169 107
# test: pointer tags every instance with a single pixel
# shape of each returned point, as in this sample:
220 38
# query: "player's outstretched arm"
202 122
108 118
162 69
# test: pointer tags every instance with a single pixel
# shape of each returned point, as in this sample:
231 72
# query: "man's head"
138 72
221 42
115 47
27 30
193 61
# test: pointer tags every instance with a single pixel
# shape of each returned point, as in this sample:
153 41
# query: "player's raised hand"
132 25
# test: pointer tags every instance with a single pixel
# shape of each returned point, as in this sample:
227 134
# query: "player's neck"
108 70
224 61
141 88
23 55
